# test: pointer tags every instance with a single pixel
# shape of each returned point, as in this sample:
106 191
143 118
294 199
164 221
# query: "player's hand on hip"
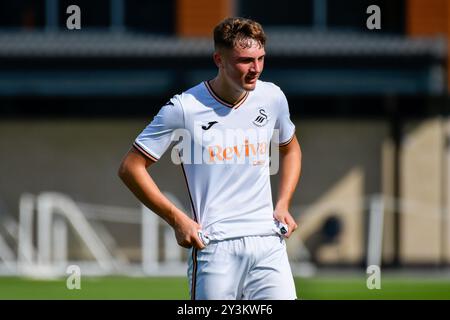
286 218
186 233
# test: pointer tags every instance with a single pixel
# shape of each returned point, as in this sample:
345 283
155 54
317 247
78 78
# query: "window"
351 14
26 14
278 13
150 16
324 14
94 14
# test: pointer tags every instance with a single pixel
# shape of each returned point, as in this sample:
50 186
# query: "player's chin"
249 85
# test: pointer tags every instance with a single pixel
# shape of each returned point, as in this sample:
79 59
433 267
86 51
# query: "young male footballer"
235 234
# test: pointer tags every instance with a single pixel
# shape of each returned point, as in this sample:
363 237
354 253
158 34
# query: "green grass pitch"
176 288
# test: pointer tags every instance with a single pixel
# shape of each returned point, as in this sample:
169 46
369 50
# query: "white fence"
50 223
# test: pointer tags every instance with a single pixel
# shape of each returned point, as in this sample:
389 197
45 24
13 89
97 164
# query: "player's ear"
218 59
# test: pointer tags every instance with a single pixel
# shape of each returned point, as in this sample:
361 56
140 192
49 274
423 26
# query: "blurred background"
370 107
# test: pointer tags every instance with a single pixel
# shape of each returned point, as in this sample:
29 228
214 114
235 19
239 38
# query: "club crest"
262 118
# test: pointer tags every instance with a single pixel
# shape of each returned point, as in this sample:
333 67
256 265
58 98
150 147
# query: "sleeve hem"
145 152
282 144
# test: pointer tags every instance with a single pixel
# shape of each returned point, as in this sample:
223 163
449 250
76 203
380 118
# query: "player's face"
242 66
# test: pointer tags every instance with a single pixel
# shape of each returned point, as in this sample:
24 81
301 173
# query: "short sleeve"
284 125
154 140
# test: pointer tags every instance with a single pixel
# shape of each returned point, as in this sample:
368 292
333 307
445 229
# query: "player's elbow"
124 169
133 165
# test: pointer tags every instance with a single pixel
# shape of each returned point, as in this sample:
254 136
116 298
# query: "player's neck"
225 91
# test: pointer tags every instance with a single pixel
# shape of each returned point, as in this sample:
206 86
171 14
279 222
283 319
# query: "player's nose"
257 67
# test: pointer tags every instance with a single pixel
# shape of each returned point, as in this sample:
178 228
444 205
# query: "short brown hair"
233 31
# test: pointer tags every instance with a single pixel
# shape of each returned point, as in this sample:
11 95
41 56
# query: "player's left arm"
290 168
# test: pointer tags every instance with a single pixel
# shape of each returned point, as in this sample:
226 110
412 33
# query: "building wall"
77 157
427 17
80 158
197 18
422 191
344 162
341 170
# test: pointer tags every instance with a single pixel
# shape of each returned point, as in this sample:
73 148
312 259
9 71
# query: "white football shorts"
246 268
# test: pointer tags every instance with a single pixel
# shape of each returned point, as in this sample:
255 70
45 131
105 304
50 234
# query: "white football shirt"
224 150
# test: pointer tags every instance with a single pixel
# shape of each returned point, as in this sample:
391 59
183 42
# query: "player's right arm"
133 172
147 149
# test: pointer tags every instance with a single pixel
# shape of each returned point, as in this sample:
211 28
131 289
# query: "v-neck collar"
225 103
